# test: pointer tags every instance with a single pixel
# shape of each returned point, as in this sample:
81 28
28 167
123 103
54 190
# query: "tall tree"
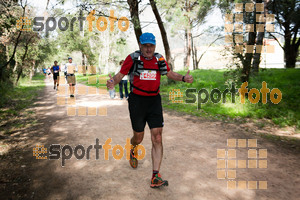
187 15
135 19
287 15
259 39
10 12
163 34
249 60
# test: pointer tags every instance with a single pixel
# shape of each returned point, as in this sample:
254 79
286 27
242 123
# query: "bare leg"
157 147
73 89
137 138
70 88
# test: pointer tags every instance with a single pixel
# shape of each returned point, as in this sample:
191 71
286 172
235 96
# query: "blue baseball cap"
69 58
147 38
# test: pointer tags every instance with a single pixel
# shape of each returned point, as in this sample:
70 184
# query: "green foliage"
185 14
286 113
15 99
76 40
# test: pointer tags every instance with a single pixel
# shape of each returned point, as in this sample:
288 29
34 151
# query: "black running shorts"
55 75
144 109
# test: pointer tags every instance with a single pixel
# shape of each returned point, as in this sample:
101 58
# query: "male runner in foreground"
144 68
55 69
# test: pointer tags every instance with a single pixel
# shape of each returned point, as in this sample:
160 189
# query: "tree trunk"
3 59
259 41
290 56
248 56
15 66
194 54
134 13
2 67
256 57
188 36
163 34
23 59
32 70
248 59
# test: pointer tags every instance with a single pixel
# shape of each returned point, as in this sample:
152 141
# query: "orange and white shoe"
157 181
133 161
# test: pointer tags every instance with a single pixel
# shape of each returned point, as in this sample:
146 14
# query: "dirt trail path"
189 162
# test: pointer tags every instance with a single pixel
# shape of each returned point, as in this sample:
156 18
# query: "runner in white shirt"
70 69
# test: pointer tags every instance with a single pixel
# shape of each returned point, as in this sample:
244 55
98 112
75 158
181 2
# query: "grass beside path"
286 113
14 100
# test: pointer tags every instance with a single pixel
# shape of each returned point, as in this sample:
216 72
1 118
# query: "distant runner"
55 69
45 71
48 72
144 69
70 69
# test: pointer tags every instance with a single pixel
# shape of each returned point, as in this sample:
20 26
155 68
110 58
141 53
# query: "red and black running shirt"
149 80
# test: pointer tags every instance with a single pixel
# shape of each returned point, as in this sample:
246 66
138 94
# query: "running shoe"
157 181
54 87
133 161
71 95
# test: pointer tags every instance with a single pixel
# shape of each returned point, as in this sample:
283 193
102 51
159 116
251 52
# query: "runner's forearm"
174 76
118 77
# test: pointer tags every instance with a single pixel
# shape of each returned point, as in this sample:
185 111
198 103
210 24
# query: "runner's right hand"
110 83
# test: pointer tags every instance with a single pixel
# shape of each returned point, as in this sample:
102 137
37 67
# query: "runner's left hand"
188 78
110 83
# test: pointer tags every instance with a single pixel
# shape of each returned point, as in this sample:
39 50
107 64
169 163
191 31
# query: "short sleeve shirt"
149 80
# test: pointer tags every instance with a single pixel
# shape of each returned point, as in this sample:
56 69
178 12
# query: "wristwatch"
183 78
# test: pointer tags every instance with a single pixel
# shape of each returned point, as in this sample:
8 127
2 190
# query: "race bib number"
56 71
148 75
